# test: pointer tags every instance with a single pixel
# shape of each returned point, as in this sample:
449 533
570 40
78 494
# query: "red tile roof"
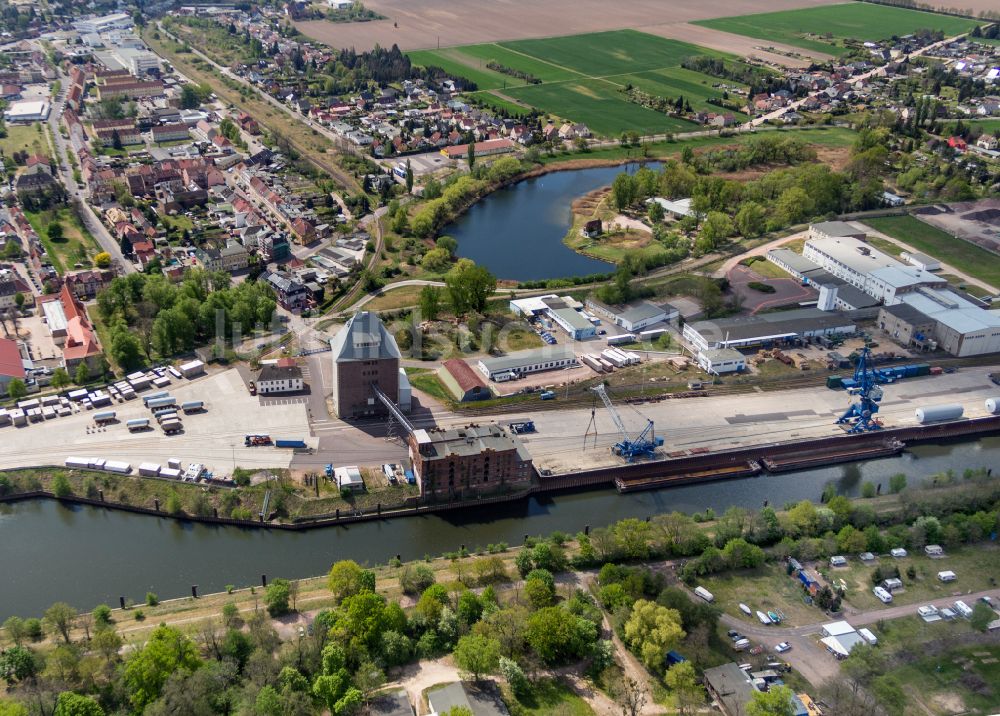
10 359
463 374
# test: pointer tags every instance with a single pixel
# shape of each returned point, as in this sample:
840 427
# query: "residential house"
85 285
281 377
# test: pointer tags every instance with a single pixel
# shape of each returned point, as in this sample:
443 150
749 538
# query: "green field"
601 54
969 258
583 77
446 59
820 28
518 59
599 105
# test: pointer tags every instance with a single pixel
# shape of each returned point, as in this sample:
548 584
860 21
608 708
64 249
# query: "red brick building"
470 461
364 355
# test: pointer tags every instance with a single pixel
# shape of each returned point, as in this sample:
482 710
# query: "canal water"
517 232
88 555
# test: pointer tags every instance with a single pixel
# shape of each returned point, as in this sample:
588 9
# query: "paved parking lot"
214 437
787 290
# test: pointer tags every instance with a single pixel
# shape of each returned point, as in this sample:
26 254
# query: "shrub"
151 599
102 615
762 287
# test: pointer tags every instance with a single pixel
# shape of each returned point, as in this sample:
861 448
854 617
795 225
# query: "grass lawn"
76 246
973 260
818 28
177 222
24 137
820 136
765 588
765 268
515 337
427 381
969 674
973 565
583 77
550 697
397 298
613 248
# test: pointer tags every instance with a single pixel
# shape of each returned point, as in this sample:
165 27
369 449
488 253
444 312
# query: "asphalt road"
85 212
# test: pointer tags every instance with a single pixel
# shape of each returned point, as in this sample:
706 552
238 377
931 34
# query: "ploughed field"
823 29
583 78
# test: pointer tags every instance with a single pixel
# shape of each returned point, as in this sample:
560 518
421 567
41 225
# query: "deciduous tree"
477 655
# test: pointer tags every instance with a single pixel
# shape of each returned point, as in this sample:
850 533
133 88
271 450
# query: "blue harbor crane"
860 416
643 445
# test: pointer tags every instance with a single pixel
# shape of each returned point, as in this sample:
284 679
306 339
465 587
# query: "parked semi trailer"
289 443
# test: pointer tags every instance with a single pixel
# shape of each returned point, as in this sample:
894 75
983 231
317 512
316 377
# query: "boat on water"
746 610
764 619
773 616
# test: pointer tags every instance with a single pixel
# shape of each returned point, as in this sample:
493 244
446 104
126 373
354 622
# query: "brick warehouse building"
465 462
364 353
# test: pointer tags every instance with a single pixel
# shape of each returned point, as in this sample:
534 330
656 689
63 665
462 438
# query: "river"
88 555
517 232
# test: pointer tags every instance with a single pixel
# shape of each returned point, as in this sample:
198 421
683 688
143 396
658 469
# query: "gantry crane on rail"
642 445
861 415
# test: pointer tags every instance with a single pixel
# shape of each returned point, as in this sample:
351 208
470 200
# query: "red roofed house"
11 365
81 344
462 381
304 230
957 143
144 252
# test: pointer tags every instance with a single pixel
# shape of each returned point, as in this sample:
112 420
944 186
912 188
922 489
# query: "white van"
883 595
704 594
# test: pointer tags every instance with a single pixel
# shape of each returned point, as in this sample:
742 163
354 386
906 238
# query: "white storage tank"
993 406
938 413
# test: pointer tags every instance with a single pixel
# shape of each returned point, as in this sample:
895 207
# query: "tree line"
147 315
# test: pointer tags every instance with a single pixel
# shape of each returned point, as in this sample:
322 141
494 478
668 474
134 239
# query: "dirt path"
415 678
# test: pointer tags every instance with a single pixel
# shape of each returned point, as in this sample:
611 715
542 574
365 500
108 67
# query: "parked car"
253 388
757 650
783 647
